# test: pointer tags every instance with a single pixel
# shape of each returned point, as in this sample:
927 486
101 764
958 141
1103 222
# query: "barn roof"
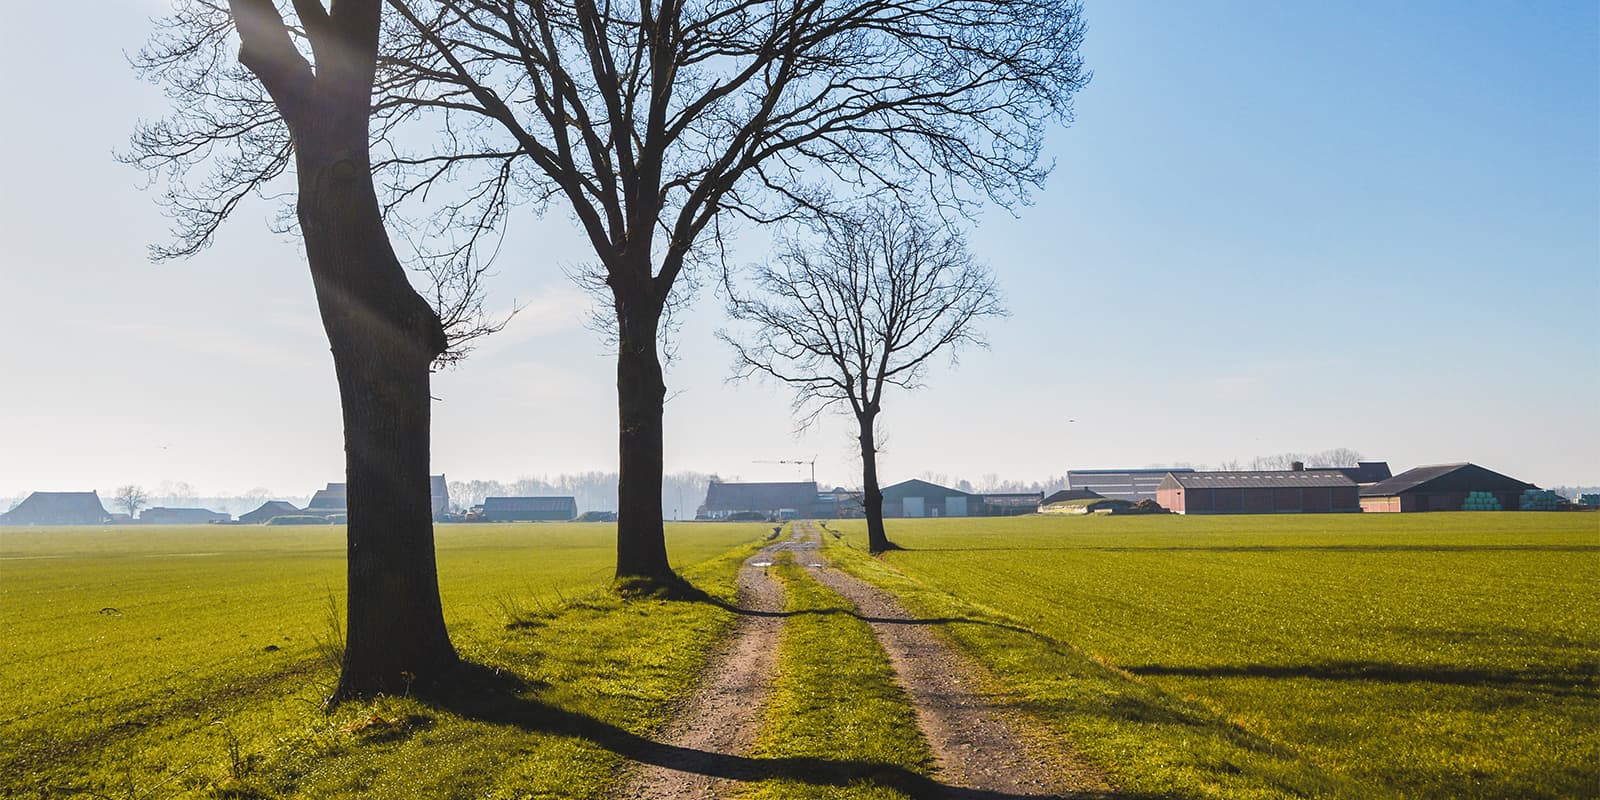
921 488
1257 479
1365 471
335 496
530 504
1446 478
1072 494
268 510
58 508
798 495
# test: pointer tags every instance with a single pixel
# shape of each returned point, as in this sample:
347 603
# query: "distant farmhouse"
268 510
773 500
334 499
182 516
919 498
328 501
58 508
1442 487
1131 485
1295 491
529 509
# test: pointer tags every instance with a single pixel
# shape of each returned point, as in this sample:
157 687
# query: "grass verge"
559 692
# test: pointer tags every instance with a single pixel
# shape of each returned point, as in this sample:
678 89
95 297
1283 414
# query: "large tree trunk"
384 337
641 397
872 496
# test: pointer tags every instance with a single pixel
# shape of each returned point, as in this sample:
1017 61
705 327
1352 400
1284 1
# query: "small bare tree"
130 497
866 308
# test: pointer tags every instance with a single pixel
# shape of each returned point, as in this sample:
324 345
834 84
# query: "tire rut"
722 718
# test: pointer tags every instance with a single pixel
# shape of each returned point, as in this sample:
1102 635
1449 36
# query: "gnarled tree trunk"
383 335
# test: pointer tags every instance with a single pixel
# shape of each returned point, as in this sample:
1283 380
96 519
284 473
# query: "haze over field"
1387 242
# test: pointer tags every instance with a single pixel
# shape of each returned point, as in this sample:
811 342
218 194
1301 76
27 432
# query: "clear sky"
1274 226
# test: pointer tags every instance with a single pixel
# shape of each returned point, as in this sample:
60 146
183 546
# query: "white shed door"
913 507
955 506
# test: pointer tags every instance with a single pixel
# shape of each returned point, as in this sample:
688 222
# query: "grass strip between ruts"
837 725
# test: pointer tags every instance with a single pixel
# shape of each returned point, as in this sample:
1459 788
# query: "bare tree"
662 125
302 104
130 497
865 309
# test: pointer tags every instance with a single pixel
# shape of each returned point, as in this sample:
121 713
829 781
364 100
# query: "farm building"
796 499
1365 473
838 503
1071 494
268 510
529 509
58 508
331 500
1131 485
917 498
1442 487
1258 492
182 516
1008 504
439 493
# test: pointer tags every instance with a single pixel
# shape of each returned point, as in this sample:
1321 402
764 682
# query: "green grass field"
1430 655
190 661
1437 655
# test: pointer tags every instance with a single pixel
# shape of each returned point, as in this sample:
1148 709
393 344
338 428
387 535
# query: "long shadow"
850 612
1286 548
1386 672
497 698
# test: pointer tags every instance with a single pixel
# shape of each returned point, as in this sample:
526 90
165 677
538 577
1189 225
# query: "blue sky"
1273 227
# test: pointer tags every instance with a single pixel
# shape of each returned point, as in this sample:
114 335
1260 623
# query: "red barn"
1258 492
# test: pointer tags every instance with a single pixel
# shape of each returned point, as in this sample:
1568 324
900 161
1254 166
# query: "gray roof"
530 504
1446 477
268 510
1072 494
58 508
761 497
1258 479
334 496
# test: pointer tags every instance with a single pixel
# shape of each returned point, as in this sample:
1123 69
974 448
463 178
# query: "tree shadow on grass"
1554 681
1281 548
498 698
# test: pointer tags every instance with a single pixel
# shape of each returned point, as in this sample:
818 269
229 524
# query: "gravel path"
722 718
980 746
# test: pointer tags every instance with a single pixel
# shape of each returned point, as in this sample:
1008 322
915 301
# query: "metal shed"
1441 487
1258 492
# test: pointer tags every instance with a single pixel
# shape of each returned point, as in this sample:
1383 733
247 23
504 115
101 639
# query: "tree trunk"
872 499
642 566
384 337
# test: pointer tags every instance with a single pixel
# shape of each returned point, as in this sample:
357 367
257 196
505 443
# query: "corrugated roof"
761 497
1257 479
530 504
1459 477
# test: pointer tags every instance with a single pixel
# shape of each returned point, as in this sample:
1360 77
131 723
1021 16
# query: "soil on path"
980 746
722 717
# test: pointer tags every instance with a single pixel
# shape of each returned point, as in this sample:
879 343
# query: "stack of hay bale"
1540 500
1481 501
